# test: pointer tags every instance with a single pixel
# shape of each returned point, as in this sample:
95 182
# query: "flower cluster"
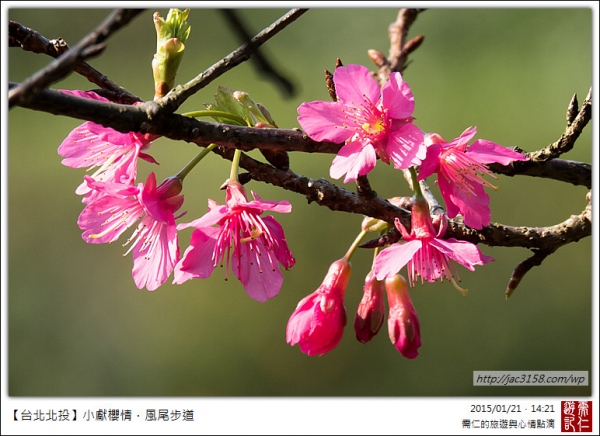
372 123
235 234
317 324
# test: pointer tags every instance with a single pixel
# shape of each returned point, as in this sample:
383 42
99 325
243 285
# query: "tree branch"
524 267
320 191
572 132
572 229
399 47
398 33
150 118
543 163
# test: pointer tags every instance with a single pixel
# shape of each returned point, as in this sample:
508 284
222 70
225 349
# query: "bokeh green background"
78 326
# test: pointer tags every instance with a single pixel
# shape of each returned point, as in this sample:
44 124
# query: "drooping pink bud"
371 310
318 322
403 322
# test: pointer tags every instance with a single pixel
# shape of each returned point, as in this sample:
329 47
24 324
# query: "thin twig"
89 46
543 163
399 47
30 40
524 267
435 208
572 132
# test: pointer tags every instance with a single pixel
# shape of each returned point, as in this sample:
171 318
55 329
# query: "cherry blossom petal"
281 250
487 152
154 261
405 146
261 277
354 84
392 259
354 160
324 121
431 163
463 252
461 142
397 97
197 261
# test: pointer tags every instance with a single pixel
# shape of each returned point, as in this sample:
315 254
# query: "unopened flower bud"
170 187
377 57
403 322
171 34
318 322
371 310
253 109
266 114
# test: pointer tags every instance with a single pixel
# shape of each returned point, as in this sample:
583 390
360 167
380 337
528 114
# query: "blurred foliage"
78 326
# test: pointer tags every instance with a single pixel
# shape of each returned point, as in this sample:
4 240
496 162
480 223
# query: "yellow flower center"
374 128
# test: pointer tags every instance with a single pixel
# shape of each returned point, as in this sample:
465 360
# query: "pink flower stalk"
318 322
460 173
252 245
371 121
113 153
424 252
370 312
154 241
404 327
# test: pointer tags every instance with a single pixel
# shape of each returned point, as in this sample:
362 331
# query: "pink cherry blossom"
425 253
317 324
370 313
250 244
404 327
371 121
460 173
112 154
154 241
